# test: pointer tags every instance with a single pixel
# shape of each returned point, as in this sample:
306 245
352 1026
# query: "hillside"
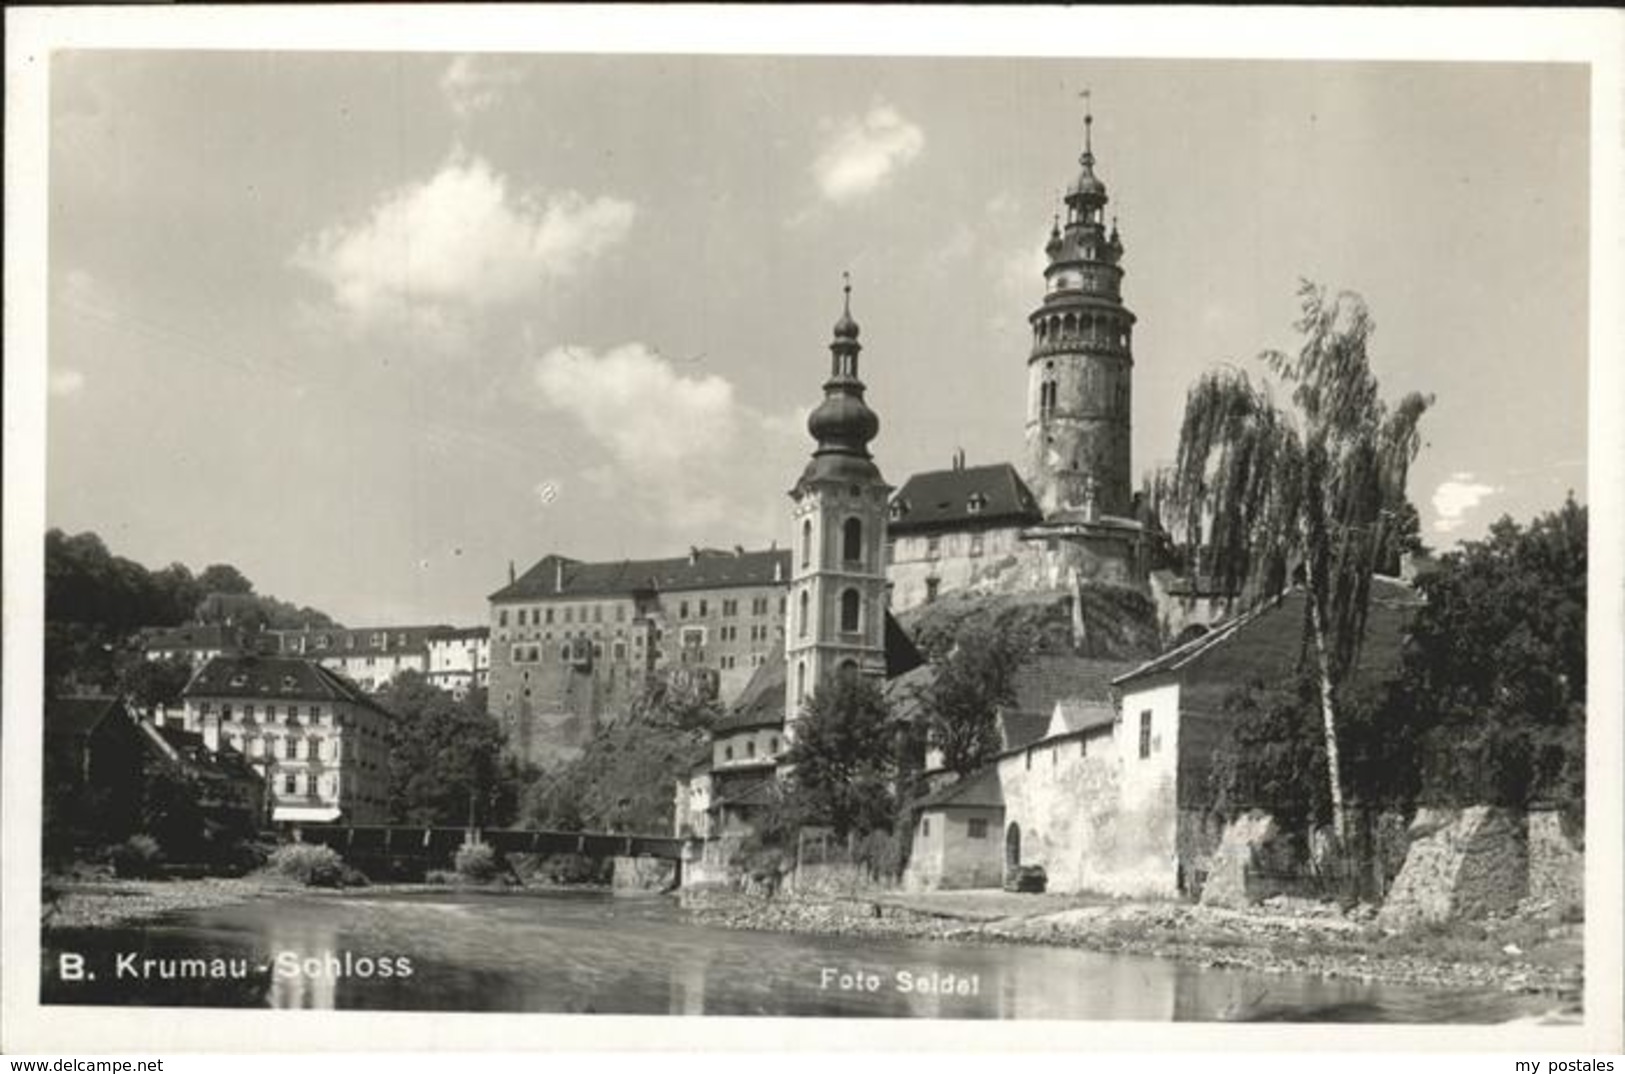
1117 623
623 780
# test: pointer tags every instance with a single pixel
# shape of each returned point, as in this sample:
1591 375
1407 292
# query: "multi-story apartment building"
367 656
460 659
570 640
320 744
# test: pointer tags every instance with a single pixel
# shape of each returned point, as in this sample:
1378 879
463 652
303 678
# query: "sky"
371 326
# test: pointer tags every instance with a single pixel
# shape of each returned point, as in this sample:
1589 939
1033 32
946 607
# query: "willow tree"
1312 492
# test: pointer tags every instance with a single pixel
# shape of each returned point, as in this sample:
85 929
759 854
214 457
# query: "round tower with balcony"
1080 371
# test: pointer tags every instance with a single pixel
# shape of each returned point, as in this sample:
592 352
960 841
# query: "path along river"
596 953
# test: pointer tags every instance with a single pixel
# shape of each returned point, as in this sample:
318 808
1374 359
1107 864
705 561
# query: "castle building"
1068 516
460 659
838 573
571 642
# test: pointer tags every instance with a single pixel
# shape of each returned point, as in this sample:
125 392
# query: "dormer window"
288 682
239 680
976 504
899 508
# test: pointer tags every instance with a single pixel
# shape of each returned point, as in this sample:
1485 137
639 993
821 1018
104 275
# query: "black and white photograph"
838 532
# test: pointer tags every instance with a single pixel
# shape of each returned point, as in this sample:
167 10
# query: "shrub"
477 862
138 856
310 864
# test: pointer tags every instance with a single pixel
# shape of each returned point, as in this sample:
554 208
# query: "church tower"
1079 374
837 614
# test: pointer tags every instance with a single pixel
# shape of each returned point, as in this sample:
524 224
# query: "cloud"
473 84
682 444
65 382
432 254
1455 497
865 152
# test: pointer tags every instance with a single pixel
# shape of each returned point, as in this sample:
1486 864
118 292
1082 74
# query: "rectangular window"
1145 734
569 615
704 607
976 828
597 613
682 609
925 827
891 549
976 544
524 615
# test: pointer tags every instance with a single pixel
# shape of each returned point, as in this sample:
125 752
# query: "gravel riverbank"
1287 936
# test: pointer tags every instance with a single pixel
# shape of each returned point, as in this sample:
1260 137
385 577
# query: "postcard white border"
1586 37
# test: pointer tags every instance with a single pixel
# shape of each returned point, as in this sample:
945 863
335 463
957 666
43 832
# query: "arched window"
801 680
852 541
806 542
847 670
802 612
851 608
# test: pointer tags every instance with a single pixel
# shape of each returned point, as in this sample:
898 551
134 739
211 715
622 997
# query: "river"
596 953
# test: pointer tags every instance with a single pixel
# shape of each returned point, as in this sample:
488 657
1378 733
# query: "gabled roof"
1018 729
979 790
702 568
1074 715
761 703
1047 678
1267 643
947 499
282 677
79 716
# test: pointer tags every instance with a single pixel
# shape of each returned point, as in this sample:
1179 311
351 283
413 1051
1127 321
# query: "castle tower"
837 613
1080 372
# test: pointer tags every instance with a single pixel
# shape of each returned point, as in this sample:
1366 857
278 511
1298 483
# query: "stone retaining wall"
1556 864
1464 863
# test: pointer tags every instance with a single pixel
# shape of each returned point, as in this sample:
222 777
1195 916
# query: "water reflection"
597 954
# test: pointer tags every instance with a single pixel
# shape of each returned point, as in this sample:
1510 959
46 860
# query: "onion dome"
843 424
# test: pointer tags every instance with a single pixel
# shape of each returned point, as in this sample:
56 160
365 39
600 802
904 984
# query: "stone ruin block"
1556 865
1248 862
1462 864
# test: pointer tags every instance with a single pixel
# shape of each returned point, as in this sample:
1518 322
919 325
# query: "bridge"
440 844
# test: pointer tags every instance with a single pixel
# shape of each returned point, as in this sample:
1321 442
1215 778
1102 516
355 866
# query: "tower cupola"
843 424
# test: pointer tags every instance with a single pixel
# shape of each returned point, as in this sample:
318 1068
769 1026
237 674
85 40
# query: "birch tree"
1311 491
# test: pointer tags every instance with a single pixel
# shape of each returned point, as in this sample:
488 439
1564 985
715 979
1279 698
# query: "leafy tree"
224 578
977 678
446 763
152 684
1496 665
1269 492
843 757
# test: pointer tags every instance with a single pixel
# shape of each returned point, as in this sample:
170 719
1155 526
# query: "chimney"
510 572
693 554
959 458
739 549
778 570
558 576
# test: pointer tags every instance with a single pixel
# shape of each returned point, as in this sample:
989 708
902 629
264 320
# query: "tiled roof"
367 641
761 703
705 568
273 677
1018 729
1047 678
78 716
1083 715
979 790
1267 643
757 794
459 633
943 499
